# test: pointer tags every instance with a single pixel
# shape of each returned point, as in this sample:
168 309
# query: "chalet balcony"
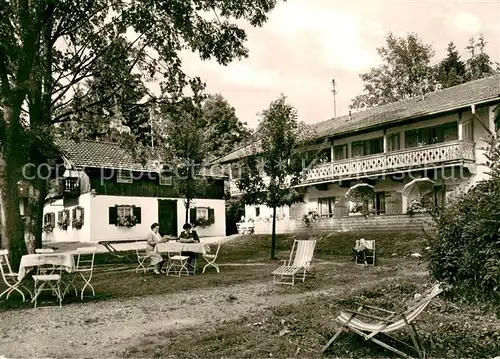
447 153
71 187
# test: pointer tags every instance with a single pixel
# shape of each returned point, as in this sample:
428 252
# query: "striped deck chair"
393 322
299 263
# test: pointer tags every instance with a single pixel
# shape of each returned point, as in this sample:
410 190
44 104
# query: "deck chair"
393 322
299 263
370 257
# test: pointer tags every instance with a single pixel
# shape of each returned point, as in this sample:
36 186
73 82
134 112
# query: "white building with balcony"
437 138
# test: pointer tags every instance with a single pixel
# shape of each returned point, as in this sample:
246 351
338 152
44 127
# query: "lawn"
299 321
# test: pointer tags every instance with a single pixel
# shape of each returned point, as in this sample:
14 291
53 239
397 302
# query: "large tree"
451 70
406 72
50 49
271 177
225 130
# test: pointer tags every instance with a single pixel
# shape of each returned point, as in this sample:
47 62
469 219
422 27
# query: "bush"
465 253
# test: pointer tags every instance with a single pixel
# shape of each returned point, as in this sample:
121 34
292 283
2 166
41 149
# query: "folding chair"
46 269
211 258
9 277
142 257
177 262
369 254
393 322
85 266
299 263
53 280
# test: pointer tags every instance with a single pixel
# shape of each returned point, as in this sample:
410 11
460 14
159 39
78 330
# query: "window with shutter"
192 215
113 215
137 213
211 214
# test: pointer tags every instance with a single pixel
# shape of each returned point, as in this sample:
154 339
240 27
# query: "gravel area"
105 329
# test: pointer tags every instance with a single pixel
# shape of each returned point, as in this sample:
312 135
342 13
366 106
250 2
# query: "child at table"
154 238
188 235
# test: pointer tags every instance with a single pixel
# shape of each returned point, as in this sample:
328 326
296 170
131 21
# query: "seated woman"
360 250
154 238
189 236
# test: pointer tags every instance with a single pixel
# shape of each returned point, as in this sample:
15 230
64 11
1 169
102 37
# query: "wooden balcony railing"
418 157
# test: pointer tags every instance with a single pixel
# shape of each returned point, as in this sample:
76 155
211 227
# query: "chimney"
350 117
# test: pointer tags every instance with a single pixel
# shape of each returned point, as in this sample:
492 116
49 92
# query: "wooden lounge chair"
393 322
299 263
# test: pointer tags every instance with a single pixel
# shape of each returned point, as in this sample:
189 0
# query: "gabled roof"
110 155
96 154
433 103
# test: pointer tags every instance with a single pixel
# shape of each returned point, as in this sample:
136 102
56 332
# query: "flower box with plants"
202 222
126 221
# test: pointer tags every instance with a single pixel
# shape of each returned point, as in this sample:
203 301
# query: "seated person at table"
360 250
154 238
188 235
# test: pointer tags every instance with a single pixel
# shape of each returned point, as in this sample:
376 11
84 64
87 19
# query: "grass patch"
328 244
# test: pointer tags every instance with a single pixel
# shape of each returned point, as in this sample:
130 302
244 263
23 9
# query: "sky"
307 43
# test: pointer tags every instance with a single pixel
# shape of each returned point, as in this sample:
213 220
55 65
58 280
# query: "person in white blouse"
154 238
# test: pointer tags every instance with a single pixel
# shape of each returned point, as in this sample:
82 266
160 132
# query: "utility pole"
151 120
334 92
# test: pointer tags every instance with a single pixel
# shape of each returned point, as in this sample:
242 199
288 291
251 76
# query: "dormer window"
124 176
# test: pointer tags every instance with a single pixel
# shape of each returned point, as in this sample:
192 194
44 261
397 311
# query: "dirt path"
106 329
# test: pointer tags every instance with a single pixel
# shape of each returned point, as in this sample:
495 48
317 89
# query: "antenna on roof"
334 92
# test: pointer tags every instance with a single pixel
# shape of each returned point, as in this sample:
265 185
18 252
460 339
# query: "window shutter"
81 215
60 215
211 214
53 219
73 213
45 218
192 215
113 215
136 211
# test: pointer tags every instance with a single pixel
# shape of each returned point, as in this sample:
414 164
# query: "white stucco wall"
70 234
102 230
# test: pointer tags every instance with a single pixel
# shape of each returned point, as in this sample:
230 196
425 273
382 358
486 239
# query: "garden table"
29 261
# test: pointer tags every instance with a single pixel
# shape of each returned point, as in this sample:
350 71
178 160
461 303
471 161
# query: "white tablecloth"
64 260
180 247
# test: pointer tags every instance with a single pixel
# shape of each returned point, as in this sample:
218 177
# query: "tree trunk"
273 236
10 159
34 215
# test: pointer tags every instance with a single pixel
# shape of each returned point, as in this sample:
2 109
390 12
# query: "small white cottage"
101 192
